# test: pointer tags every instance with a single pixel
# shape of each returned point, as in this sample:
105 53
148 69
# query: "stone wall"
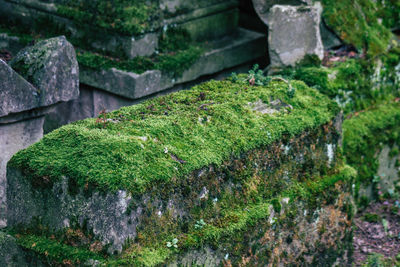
53 69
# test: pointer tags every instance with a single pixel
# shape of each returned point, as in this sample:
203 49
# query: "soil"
372 237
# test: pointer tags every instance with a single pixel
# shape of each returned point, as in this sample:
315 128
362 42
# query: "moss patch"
355 84
357 22
124 16
173 135
365 133
228 232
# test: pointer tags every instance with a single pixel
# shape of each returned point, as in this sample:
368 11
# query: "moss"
237 222
364 134
120 15
394 152
355 84
172 135
357 23
372 218
55 252
176 54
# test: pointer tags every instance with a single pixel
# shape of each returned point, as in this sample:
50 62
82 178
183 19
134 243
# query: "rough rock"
11 255
14 137
262 7
51 67
294 33
16 94
329 38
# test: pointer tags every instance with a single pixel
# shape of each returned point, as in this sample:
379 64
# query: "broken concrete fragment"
51 67
294 33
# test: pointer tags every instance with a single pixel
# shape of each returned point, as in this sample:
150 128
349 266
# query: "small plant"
372 218
256 76
173 243
199 224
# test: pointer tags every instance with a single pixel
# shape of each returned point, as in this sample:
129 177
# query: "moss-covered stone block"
371 141
143 172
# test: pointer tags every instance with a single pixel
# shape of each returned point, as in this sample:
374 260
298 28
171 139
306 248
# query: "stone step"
167 160
233 50
199 22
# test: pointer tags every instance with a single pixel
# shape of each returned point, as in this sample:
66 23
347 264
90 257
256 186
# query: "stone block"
228 52
51 67
294 32
14 137
16 94
116 216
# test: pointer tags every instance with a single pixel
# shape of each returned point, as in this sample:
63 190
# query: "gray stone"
11 255
262 7
51 67
123 83
294 33
16 94
14 137
11 43
387 174
228 52
329 38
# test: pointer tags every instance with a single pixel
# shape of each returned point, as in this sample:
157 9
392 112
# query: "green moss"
56 252
176 54
355 84
364 134
357 23
24 38
123 16
172 135
372 218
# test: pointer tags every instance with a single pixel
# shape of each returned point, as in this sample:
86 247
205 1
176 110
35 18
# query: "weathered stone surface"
387 174
14 137
16 94
11 255
329 38
294 33
51 67
262 7
10 43
314 237
227 52
123 83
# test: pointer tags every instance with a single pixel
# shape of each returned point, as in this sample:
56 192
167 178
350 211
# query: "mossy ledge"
143 171
171 136
366 134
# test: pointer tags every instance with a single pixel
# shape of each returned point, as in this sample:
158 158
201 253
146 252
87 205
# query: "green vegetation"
379 260
55 252
364 135
355 83
172 63
124 16
372 218
357 22
234 225
172 135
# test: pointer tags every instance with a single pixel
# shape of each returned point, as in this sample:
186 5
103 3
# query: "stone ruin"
281 199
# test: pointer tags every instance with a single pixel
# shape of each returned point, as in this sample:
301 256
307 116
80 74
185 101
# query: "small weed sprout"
173 243
256 76
199 224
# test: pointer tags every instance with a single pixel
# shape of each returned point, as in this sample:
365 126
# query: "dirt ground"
377 230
